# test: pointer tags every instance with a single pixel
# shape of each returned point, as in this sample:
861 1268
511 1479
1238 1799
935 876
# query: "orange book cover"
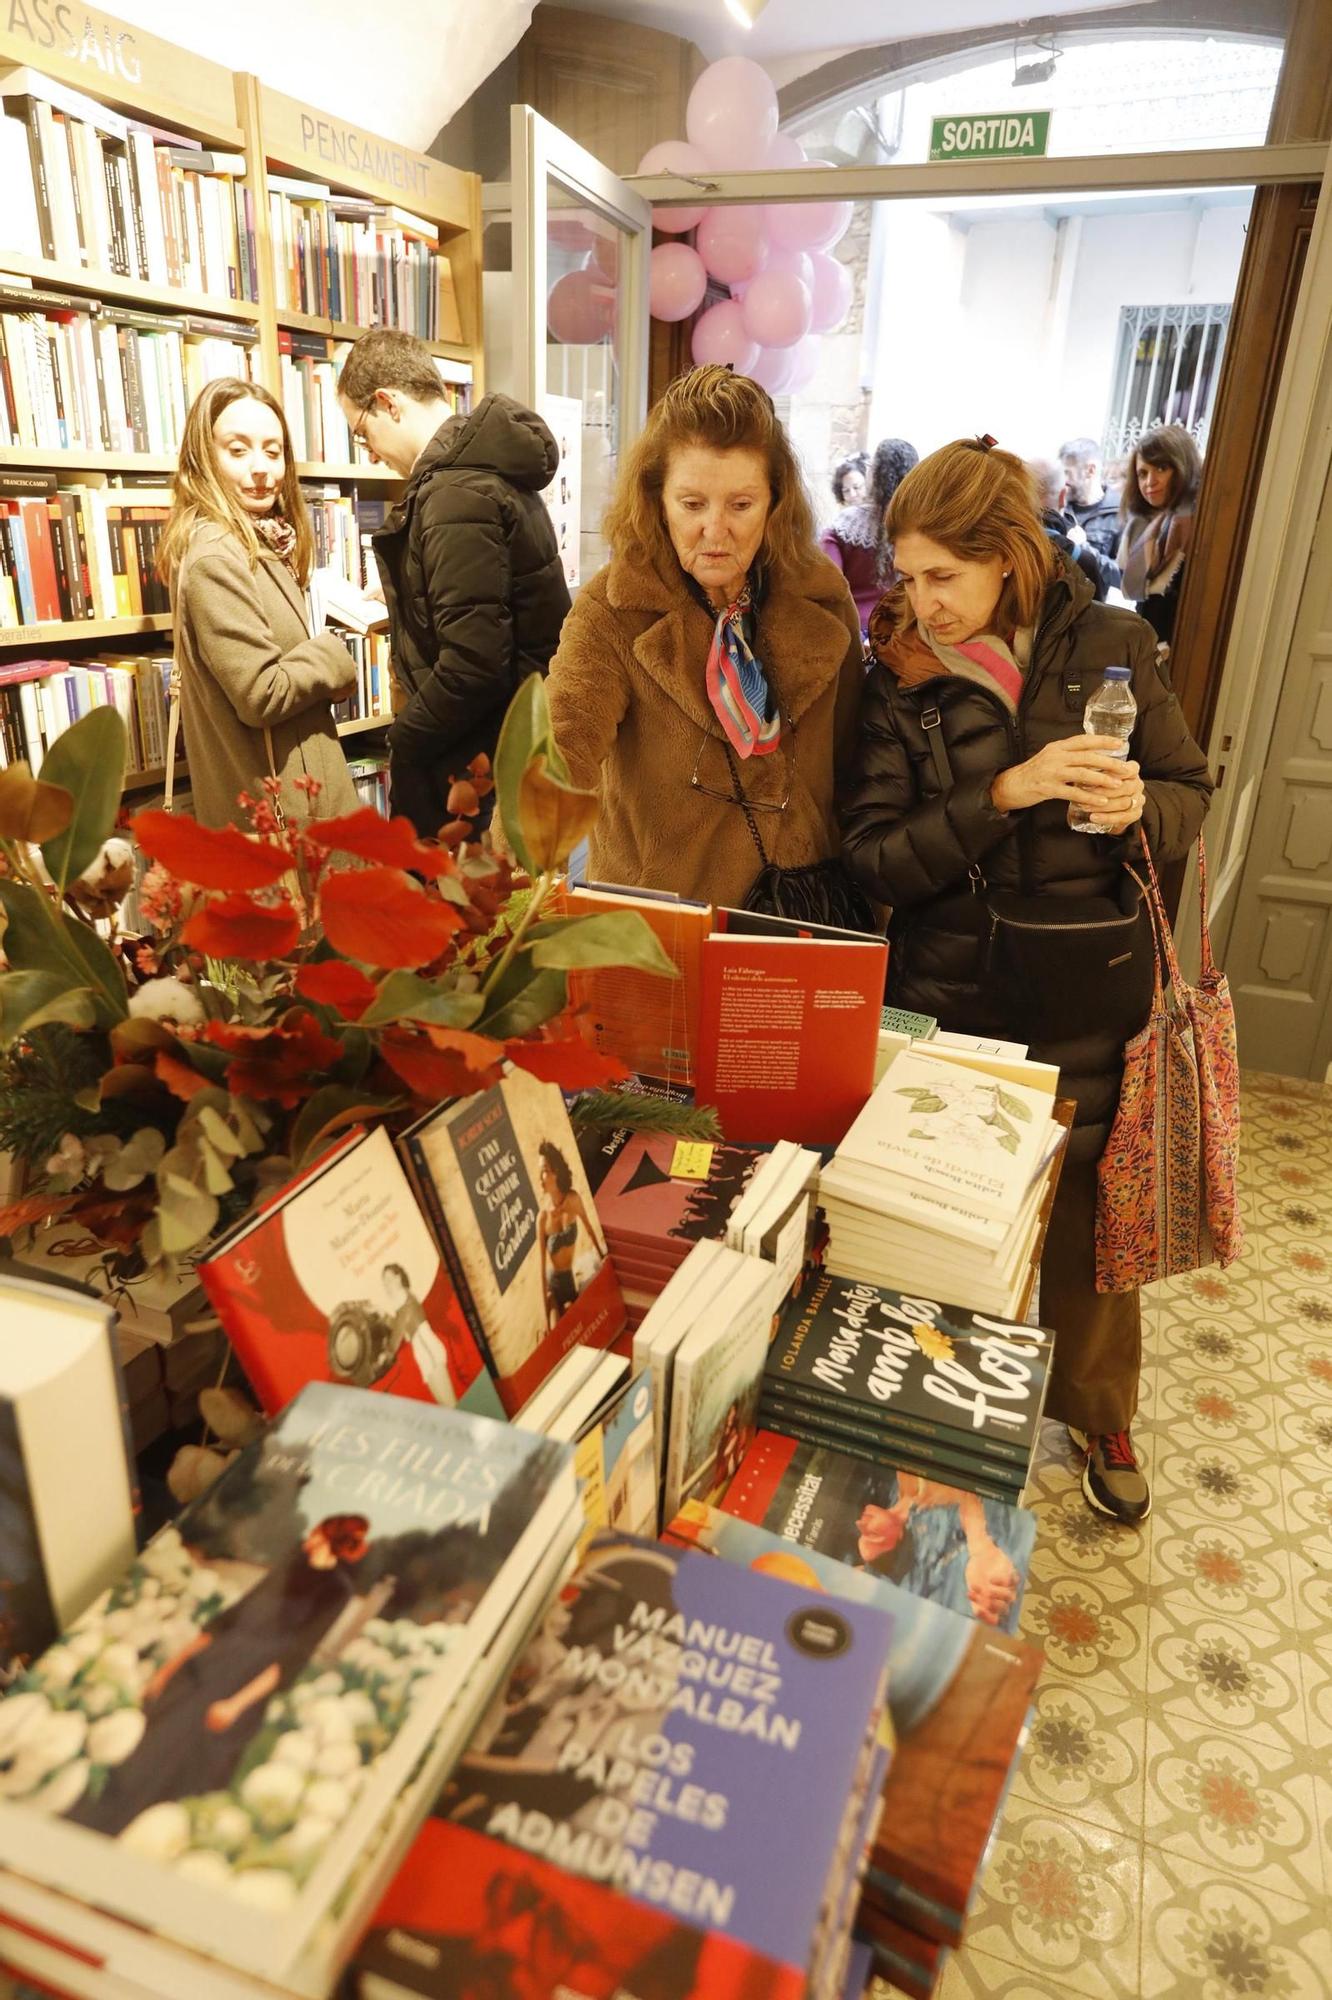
649 1022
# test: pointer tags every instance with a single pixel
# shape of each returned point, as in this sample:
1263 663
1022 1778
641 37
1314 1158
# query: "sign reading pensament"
998 135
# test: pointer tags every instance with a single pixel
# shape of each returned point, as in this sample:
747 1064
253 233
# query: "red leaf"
478 1051
211 857
334 983
30 1208
382 917
179 1078
236 927
570 1062
393 841
286 1062
435 1073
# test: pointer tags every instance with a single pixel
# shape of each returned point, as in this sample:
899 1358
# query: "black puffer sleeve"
464 541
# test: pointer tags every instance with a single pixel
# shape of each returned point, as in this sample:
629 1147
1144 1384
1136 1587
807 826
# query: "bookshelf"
350 173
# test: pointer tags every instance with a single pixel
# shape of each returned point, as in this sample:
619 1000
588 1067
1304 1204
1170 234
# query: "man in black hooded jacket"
471 572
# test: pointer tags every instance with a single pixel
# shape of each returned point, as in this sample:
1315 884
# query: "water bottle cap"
1117 673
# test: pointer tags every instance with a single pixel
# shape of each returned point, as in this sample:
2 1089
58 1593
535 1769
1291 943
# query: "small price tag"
692 1160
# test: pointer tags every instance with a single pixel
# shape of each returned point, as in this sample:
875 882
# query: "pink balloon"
580 309
719 336
832 292
798 262
605 258
804 364
808 225
733 244
732 113
673 156
569 233
785 152
772 370
777 309
676 282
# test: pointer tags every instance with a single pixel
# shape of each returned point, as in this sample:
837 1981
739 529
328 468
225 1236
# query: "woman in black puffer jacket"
972 749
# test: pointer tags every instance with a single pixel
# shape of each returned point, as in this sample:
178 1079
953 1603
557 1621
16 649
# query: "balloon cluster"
786 289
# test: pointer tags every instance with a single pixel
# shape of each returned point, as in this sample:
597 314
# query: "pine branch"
633 1111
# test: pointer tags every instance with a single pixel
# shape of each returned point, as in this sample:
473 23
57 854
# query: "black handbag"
1064 966
820 893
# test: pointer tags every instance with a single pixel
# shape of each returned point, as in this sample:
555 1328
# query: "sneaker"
1112 1479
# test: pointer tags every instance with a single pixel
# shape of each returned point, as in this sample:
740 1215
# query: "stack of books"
39 699
74 552
946 1392
950 1166
370 776
657 1197
591 1401
643 1743
775 1216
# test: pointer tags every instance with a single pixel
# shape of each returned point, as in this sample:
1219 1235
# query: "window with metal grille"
1166 372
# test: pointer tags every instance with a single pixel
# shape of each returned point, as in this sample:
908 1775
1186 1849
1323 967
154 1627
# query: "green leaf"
525 732
405 996
40 938
524 998
185 1213
1009 1141
635 1111
29 998
615 937
1014 1106
924 1101
328 1111
137 1158
89 761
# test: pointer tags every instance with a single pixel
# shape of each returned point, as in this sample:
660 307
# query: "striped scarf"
986 659
738 687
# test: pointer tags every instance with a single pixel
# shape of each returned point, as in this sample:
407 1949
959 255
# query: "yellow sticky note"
692 1160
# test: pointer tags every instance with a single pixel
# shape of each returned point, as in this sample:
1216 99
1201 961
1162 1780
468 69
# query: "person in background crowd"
1047 476
984 633
1160 494
857 540
850 480
256 690
1093 506
714 664
471 571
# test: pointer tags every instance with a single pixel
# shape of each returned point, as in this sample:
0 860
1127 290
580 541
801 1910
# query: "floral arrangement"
293 978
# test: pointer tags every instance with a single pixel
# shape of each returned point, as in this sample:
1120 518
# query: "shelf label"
1001 135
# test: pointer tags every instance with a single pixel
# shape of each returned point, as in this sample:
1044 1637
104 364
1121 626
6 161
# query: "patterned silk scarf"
738 687
279 537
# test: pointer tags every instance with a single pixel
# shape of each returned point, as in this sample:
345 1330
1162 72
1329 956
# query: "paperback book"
615 1459
841 1431
646 1204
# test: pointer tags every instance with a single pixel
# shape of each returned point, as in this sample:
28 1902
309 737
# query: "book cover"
958 1696
339 1280
788 1030
800 1418
643 1202
615 1461
717 1378
882 1353
277 1660
643 1735
958 1549
471 1916
649 1022
501 1181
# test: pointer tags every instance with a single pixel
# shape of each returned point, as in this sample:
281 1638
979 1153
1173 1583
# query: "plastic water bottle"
1111 711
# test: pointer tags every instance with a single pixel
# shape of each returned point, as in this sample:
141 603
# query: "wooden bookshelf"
341 329
80 460
154 776
98 284
39 638
361 725
371 475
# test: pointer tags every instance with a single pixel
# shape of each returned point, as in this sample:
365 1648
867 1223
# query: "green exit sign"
998 135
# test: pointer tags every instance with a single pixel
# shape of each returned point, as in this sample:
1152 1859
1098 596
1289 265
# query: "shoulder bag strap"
1208 962
1161 922
932 723
172 735
743 804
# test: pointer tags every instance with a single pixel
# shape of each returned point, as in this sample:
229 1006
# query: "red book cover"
338 1280
644 1206
468 1915
788 1030
41 557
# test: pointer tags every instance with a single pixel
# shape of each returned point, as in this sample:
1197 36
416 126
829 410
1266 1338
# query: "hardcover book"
717 1377
644 1734
846 1431
968 1553
281 1658
914 1364
649 1022
500 1179
468 1915
615 1460
339 1280
645 1205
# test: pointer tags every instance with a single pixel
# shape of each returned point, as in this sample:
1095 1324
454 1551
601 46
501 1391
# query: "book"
938 1370
958 1694
62 1537
938 1541
649 1022
616 1466
468 1914
499 1177
283 1656
907 1454
901 1021
657 1197
788 1029
643 1733
717 1376
764 923
338 1279
333 596
665 1325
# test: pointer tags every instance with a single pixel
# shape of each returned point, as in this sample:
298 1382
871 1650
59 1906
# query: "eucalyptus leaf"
40 938
88 759
524 734
405 996
523 998
614 937
135 1160
328 1111
186 1213
27 999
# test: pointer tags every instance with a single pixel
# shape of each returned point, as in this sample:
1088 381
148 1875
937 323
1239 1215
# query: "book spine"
120 262
949 1466
835 1437
882 1418
82 223
423 1186
39 181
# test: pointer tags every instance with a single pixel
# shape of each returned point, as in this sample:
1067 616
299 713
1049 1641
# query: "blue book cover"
664 1705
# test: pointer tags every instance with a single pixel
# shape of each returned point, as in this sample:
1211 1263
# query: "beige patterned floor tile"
1304 1436
1316 1677
1091 1628
1084 1755
1227 1293
1219 1800
1183 1339
1296 1260
1216 1671
1239 1571
1208 1409
1306 1497
1060 1899
1074 1540
1300 1364
1214 1481
977 1975
1208 1935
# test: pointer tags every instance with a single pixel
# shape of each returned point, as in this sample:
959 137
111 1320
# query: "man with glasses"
472 576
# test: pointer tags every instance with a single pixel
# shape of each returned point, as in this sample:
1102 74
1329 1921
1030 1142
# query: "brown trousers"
1098 1335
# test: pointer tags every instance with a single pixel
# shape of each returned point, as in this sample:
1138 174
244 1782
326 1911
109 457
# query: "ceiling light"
746 12
1039 71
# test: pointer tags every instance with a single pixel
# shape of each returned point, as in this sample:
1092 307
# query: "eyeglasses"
358 435
737 796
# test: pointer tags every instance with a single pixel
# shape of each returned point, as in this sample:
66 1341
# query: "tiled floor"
1169 1833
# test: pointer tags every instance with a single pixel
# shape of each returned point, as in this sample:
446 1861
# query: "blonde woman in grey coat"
256 689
